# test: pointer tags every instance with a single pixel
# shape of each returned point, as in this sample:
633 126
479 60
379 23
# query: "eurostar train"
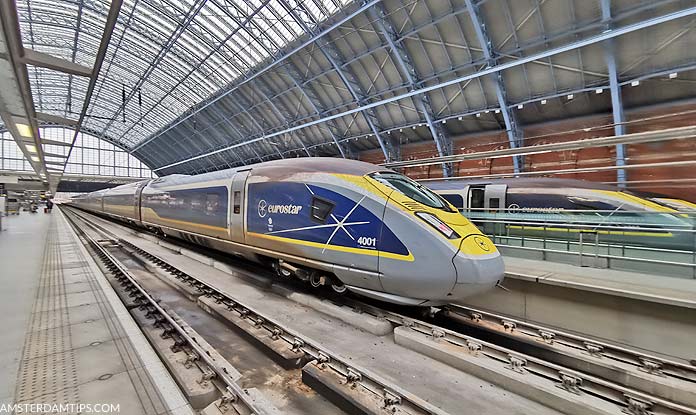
564 209
343 223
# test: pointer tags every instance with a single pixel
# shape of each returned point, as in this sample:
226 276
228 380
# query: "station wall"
673 181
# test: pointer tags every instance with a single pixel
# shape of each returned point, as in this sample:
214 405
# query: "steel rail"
572 381
116 267
296 342
391 396
649 363
630 400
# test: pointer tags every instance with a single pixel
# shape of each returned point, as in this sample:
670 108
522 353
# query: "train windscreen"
412 189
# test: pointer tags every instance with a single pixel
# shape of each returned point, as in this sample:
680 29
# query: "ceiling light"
497 111
672 75
460 118
635 83
34 158
543 102
478 115
31 148
520 106
24 130
598 91
444 121
570 96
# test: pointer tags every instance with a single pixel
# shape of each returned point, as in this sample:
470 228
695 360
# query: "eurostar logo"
482 243
262 208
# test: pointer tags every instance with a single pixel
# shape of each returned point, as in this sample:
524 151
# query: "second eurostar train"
343 223
565 209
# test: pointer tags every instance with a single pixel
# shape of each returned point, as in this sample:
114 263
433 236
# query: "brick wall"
567 130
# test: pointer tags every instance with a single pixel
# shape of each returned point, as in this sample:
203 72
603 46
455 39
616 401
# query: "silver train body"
340 222
568 209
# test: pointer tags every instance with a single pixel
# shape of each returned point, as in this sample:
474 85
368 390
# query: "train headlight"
436 223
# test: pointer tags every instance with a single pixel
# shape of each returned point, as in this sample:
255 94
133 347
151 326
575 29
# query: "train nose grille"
413 205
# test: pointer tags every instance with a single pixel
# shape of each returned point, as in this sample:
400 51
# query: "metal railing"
652 242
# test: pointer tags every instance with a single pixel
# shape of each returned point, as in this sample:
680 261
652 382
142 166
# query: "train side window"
476 198
237 202
212 203
456 200
321 209
494 203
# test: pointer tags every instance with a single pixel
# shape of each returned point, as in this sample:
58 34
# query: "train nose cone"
477 273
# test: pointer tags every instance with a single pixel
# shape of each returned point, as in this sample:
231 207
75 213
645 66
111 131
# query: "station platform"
67 339
645 311
678 292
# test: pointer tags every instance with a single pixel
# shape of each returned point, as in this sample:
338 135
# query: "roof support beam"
44 60
486 71
310 94
511 127
443 141
114 10
265 91
616 99
258 73
11 34
54 142
54 119
297 9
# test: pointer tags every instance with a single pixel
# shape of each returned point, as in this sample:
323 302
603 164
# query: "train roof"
316 165
279 169
512 182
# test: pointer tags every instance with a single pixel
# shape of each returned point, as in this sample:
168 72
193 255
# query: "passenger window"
494 203
476 198
237 202
321 209
212 203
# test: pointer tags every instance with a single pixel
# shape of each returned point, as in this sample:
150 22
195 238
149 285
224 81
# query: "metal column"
616 100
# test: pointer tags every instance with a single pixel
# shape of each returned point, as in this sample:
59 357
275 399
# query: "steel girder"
308 91
596 39
616 99
511 126
335 58
402 57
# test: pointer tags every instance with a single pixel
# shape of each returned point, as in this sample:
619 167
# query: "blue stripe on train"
284 210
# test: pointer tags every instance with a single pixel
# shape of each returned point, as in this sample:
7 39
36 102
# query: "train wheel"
339 288
282 272
316 280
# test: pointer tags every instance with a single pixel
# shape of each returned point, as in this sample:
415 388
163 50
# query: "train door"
495 197
475 200
237 206
136 201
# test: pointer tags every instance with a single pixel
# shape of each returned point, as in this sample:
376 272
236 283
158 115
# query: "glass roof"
164 56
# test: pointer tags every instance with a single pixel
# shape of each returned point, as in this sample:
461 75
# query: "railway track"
233 396
578 391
